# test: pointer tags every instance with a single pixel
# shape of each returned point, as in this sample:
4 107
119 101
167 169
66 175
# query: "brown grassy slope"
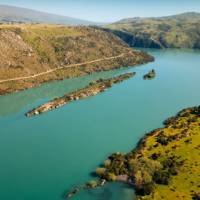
30 49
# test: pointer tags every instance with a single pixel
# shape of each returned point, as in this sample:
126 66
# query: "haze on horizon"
108 10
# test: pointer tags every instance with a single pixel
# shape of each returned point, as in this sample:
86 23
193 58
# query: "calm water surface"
41 157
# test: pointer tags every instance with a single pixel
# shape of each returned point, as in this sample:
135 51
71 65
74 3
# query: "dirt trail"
59 68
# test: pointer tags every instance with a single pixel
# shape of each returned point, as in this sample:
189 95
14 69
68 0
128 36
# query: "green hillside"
177 31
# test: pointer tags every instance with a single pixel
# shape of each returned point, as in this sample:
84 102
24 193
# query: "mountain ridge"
175 16
176 31
14 14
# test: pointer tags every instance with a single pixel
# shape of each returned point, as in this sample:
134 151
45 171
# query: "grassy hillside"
177 31
26 50
23 15
166 164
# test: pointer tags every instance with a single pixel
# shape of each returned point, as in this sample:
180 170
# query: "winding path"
59 68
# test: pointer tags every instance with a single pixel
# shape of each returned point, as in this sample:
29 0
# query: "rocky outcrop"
150 75
90 185
92 89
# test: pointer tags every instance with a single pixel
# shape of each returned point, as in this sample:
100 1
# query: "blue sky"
109 10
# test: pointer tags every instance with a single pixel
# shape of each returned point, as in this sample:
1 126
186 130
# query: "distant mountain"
182 16
176 31
23 15
189 16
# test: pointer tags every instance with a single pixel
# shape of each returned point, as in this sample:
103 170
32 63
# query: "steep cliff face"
178 31
29 50
140 40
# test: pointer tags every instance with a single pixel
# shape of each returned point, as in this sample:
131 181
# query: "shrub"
143 183
147 189
161 177
155 156
107 163
110 177
196 196
172 164
162 139
100 171
108 84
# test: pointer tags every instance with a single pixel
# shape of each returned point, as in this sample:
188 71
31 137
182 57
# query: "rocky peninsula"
92 89
166 161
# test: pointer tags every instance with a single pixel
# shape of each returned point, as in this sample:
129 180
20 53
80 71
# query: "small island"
92 89
150 75
166 161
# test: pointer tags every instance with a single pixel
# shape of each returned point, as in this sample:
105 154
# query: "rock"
71 98
150 75
76 98
72 193
102 182
36 112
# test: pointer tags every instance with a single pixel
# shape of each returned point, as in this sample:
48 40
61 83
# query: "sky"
109 10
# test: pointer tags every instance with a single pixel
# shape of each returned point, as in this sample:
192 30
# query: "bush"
143 183
100 171
110 177
196 196
162 139
155 156
108 84
170 168
172 164
144 164
107 163
147 189
161 177
92 184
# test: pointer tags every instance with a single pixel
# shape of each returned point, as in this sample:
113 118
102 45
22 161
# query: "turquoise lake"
43 157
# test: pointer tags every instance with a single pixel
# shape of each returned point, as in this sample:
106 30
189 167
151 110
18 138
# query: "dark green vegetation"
92 89
150 75
166 161
178 31
11 14
29 50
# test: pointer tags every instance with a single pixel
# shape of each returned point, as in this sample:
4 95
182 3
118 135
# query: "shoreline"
158 159
92 89
75 72
59 68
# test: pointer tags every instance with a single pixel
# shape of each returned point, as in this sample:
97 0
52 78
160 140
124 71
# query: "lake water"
42 157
